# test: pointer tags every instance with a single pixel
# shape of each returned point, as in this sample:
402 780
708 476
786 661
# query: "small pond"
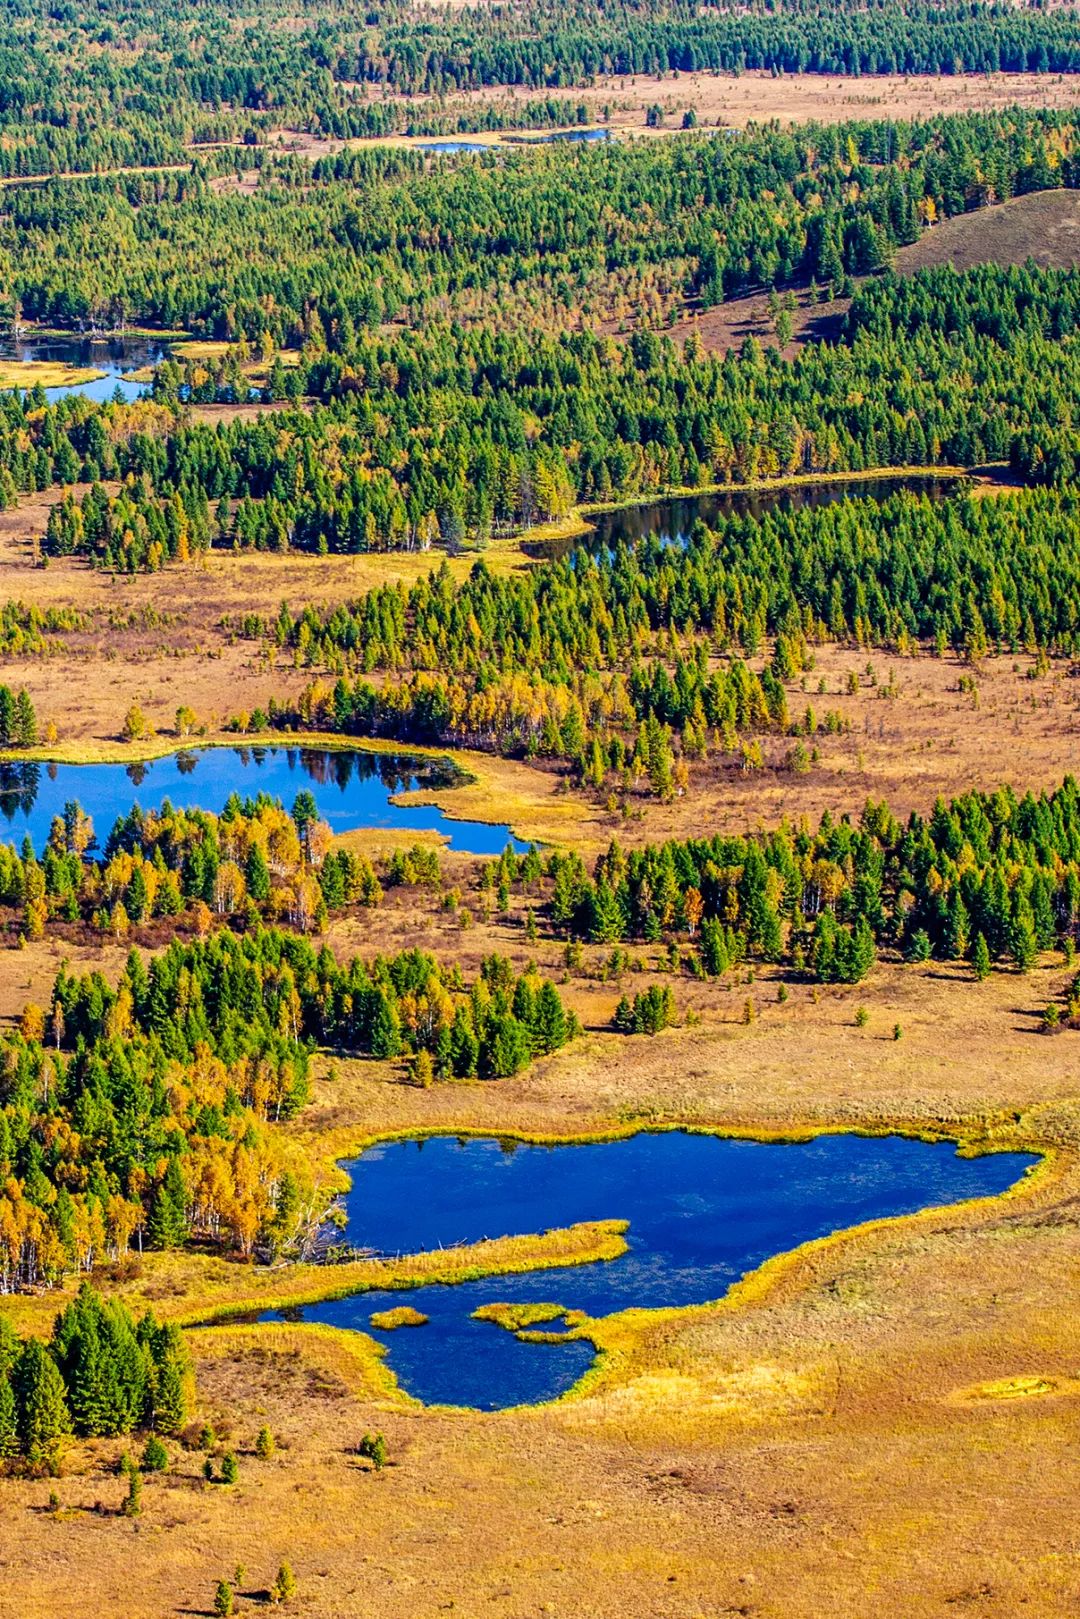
702 1210
450 145
673 520
352 788
114 356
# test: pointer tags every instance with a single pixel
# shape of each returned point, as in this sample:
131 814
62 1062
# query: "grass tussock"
403 1316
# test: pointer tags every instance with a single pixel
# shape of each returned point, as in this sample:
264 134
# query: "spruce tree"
25 721
132 1505
155 1458
9 1429
257 875
9 1345
167 1225
549 1022
605 915
170 1382
385 1028
285 1584
43 1417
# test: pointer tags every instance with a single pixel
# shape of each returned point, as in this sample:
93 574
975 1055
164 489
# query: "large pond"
673 520
702 1211
352 788
114 356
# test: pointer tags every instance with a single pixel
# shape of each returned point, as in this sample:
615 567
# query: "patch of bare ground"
1043 226
157 639
910 734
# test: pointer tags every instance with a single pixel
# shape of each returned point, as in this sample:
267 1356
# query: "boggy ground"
910 734
157 641
881 1424
730 101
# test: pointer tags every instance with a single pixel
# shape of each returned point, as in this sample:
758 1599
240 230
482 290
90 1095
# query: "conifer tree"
285 1584
43 1416
167 1226
9 1429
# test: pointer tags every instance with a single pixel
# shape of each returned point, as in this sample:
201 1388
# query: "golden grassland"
192 1288
621 102
882 1422
200 351
403 1316
912 734
46 373
875 1423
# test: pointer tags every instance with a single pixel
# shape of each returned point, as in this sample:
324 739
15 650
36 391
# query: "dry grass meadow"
881 1424
722 100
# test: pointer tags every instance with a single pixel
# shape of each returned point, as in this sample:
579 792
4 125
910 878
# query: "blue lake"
352 788
114 356
702 1210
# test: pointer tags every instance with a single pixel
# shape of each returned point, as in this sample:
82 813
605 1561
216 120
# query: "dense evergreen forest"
985 878
141 84
100 1374
320 252
453 437
608 656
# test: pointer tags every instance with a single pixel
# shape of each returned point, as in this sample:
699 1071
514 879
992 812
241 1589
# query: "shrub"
155 1458
373 1448
285 1585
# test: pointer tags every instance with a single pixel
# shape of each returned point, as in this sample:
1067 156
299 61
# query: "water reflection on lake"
673 520
352 787
114 356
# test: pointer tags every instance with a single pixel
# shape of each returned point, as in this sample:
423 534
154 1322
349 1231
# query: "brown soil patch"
1043 226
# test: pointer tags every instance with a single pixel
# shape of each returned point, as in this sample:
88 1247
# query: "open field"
723 100
1043 226
46 374
849 1434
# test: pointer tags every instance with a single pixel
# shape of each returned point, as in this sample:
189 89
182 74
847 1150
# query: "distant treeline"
139 84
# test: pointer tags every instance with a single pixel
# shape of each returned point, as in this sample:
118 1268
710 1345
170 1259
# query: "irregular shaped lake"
116 357
672 521
352 788
702 1210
